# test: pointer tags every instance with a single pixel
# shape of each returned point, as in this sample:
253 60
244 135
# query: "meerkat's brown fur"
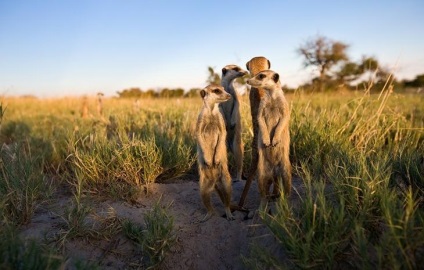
255 65
211 150
273 135
231 113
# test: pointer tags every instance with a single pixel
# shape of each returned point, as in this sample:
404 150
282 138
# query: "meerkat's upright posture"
273 134
255 65
100 103
211 150
84 109
231 112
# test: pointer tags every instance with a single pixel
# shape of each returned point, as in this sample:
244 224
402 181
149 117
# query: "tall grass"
156 237
352 158
22 182
16 253
360 156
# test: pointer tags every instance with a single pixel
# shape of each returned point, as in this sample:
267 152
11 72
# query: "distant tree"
372 72
165 93
348 72
193 92
368 64
213 77
150 93
178 92
417 82
134 92
323 53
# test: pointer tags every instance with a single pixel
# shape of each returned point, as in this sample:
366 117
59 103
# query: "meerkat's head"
257 64
214 94
266 79
232 71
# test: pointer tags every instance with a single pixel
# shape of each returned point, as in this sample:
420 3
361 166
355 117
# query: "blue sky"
69 48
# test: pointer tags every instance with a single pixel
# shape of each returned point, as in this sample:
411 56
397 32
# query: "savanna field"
359 158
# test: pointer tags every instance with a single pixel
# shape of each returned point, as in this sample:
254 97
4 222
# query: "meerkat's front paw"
266 143
229 215
275 143
206 217
216 163
207 163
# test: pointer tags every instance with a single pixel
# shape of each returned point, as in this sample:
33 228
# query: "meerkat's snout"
252 82
224 96
216 93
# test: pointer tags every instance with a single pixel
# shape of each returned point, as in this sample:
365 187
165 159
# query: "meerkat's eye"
237 69
261 76
216 91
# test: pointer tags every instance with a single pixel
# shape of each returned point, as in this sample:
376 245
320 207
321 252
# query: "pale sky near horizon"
81 47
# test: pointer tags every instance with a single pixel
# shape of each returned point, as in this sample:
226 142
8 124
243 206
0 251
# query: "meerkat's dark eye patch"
224 71
216 91
275 77
261 76
236 69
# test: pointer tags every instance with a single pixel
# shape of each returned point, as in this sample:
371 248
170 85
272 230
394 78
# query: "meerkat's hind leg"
224 198
237 149
228 214
223 189
287 178
206 189
206 217
276 189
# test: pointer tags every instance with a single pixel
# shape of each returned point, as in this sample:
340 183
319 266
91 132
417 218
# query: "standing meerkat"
273 135
231 112
255 65
212 151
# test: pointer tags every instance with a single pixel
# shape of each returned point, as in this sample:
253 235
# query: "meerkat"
212 151
231 112
255 65
100 103
84 108
273 134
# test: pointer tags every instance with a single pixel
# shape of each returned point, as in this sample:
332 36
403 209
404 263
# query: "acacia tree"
323 53
350 71
417 82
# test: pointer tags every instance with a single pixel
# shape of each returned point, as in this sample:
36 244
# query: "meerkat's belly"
272 116
211 133
211 126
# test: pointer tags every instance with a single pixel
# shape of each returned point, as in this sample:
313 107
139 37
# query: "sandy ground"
214 244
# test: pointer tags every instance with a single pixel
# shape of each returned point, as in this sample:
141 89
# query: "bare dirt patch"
214 244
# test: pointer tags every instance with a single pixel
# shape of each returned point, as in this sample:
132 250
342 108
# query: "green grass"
362 208
155 238
16 253
360 157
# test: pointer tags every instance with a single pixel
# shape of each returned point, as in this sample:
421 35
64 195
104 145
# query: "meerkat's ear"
202 93
247 66
275 77
269 64
224 71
